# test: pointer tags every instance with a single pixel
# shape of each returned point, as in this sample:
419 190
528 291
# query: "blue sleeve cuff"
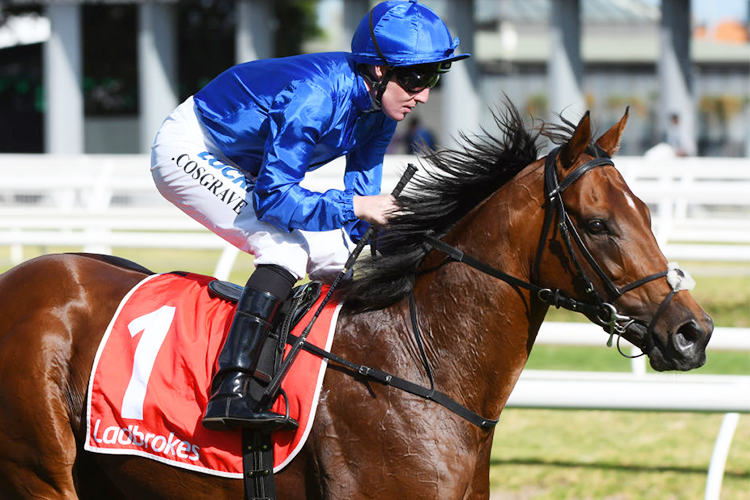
357 229
347 211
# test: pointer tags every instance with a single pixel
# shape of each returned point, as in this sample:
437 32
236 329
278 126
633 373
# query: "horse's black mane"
455 182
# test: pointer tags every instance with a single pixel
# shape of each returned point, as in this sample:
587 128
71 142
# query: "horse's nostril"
687 336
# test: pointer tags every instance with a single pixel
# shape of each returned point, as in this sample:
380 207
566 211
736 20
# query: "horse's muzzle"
685 347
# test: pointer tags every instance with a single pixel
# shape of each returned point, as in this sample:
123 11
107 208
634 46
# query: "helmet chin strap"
381 85
377 87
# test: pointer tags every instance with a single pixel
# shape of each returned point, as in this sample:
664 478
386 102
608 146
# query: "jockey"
233 155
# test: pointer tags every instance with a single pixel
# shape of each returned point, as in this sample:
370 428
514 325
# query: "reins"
599 311
366 371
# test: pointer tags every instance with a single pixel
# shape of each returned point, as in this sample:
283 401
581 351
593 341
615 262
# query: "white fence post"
719 456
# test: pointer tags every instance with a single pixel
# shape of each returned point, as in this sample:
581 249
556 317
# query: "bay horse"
521 232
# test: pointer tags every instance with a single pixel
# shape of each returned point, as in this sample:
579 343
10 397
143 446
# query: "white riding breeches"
191 173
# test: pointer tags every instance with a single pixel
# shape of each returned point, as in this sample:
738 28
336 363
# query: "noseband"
602 312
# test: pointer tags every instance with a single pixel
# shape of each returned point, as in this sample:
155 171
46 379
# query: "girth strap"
257 465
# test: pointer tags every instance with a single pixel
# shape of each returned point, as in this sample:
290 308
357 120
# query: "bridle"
600 311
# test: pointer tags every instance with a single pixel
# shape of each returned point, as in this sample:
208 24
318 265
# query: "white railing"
700 208
96 202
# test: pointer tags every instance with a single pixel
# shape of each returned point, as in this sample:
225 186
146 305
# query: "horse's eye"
596 226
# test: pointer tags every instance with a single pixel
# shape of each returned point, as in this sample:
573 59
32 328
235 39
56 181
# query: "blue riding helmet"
398 33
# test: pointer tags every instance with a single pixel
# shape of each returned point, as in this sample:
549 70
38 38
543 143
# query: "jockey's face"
397 102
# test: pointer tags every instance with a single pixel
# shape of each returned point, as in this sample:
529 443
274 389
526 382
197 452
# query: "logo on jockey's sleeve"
223 181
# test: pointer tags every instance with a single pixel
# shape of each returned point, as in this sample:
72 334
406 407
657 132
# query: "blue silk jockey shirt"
277 119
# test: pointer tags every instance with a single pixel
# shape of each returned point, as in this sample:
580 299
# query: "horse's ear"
578 142
610 140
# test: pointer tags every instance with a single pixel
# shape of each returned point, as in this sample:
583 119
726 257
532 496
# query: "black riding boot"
230 405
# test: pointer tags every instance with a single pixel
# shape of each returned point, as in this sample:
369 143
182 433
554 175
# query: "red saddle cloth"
152 376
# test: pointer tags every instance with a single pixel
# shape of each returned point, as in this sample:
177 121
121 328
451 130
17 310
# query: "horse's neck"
479 330
478 338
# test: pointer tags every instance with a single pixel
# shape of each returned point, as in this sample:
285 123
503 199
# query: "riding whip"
411 169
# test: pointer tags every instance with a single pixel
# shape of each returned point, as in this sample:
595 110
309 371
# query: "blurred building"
99 76
622 50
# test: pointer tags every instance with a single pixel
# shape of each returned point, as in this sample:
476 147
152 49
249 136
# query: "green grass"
598 455
585 455
576 455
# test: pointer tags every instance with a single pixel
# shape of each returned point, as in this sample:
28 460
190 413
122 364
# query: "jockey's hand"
375 209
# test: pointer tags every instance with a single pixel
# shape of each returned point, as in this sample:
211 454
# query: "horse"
489 237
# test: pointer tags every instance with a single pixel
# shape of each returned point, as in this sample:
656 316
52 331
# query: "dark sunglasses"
414 79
